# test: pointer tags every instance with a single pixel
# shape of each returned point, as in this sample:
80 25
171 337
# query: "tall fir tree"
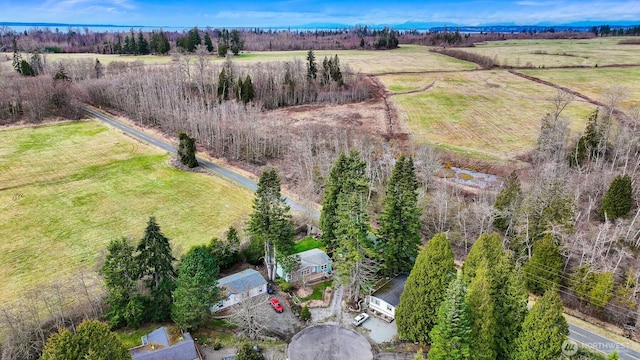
354 257
488 248
545 268
482 315
346 171
208 42
312 66
187 150
618 198
543 331
399 233
121 274
510 299
451 335
196 289
506 204
425 289
270 222
156 264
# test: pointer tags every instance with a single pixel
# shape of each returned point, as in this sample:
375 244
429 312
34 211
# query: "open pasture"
405 59
597 83
492 115
559 53
66 190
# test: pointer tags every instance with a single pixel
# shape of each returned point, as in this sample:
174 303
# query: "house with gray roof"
239 287
311 263
160 345
386 299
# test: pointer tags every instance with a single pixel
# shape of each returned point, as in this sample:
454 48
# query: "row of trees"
481 312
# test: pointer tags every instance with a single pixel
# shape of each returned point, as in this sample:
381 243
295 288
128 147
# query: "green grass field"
483 114
596 83
66 190
553 53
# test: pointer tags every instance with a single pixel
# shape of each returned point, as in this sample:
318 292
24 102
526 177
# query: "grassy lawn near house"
68 189
318 290
309 243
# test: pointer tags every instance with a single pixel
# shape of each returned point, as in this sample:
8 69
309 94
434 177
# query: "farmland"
491 115
559 53
66 190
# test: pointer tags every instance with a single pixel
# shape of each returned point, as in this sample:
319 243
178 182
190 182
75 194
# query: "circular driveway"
328 342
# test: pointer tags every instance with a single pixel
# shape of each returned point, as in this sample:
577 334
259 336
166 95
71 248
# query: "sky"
264 14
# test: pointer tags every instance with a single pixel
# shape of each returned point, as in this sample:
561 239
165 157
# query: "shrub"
305 314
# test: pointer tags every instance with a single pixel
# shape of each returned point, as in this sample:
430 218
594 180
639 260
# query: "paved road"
215 168
600 343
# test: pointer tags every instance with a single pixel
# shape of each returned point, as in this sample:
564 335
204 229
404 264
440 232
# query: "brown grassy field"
492 115
66 190
596 83
406 58
554 53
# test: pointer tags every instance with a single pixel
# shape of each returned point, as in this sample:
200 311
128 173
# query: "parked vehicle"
275 304
358 320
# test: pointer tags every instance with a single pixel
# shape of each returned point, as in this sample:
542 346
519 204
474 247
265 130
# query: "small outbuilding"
239 287
386 299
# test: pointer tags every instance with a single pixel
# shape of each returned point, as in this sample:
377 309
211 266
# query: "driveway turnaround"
329 342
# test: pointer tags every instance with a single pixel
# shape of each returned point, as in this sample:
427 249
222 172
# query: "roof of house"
313 257
158 346
242 281
391 291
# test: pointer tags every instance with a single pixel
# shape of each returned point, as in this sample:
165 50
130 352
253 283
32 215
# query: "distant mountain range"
410 25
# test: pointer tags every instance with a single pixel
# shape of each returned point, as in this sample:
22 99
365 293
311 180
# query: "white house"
240 286
387 298
312 262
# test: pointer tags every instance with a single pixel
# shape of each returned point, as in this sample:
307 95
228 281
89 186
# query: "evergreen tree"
425 289
545 268
223 48
143 44
225 84
248 92
156 264
334 70
482 315
196 289
618 198
121 274
193 39
99 69
506 204
488 248
312 67
543 331
226 254
271 221
451 335
187 150
510 299
399 232
92 340
347 169
354 258
236 42
207 41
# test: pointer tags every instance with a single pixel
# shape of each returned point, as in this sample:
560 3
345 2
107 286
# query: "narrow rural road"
577 334
600 344
215 168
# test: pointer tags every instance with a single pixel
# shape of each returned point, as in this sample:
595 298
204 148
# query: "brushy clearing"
555 53
66 190
596 83
482 114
